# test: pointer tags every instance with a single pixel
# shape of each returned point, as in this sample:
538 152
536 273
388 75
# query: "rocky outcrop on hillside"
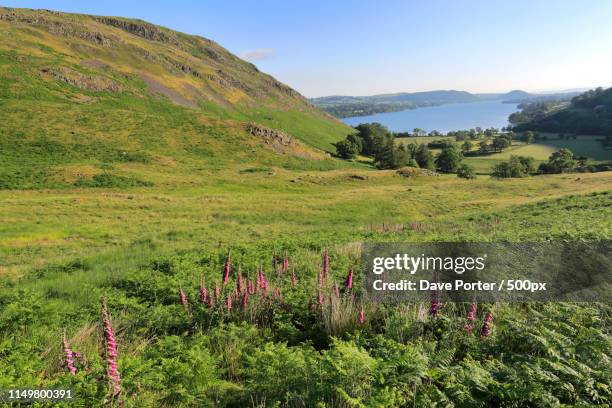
87 82
64 28
415 172
269 136
139 28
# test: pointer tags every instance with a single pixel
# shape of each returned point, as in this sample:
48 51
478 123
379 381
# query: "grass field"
201 209
540 150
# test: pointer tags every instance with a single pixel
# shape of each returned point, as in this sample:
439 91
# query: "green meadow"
584 145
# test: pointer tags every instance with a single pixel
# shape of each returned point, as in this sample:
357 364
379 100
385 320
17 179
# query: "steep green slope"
589 113
82 96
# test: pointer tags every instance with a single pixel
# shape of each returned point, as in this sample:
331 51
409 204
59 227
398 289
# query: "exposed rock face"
88 82
58 28
415 172
139 28
272 137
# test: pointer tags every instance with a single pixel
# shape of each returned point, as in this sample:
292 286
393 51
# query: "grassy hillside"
589 113
83 95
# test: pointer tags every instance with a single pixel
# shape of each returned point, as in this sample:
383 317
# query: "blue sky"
368 47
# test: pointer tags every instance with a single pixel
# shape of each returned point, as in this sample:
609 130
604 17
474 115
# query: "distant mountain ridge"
347 106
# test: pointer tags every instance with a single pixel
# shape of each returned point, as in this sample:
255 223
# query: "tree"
466 146
346 149
529 136
391 156
424 157
449 159
466 171
501 142
418 132
412 148
356 140
483 147
401 156
373 137
517 166
561 161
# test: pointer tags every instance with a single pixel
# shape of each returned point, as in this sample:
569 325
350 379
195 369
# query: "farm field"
540 150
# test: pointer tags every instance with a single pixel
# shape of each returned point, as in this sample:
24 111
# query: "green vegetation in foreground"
287 352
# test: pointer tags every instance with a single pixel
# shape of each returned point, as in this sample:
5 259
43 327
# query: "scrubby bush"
449 159
517 166
466 171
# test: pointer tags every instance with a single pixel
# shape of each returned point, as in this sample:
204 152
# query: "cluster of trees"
592 98
418 132
491 141
562 161
517 166
531 111
375 140
348 110
476 133
589 114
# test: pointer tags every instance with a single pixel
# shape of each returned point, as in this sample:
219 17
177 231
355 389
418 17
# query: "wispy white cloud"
258 54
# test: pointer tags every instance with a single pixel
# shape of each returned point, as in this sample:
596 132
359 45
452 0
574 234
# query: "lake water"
444 118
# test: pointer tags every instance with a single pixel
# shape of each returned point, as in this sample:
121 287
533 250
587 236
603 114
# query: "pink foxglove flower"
361 316
486 326
348 284
285 264
245 298
69 357
217 292
227 269
435 304
203 294
293 277
320 295
211 302
111 353
469 326
228 302
183 298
